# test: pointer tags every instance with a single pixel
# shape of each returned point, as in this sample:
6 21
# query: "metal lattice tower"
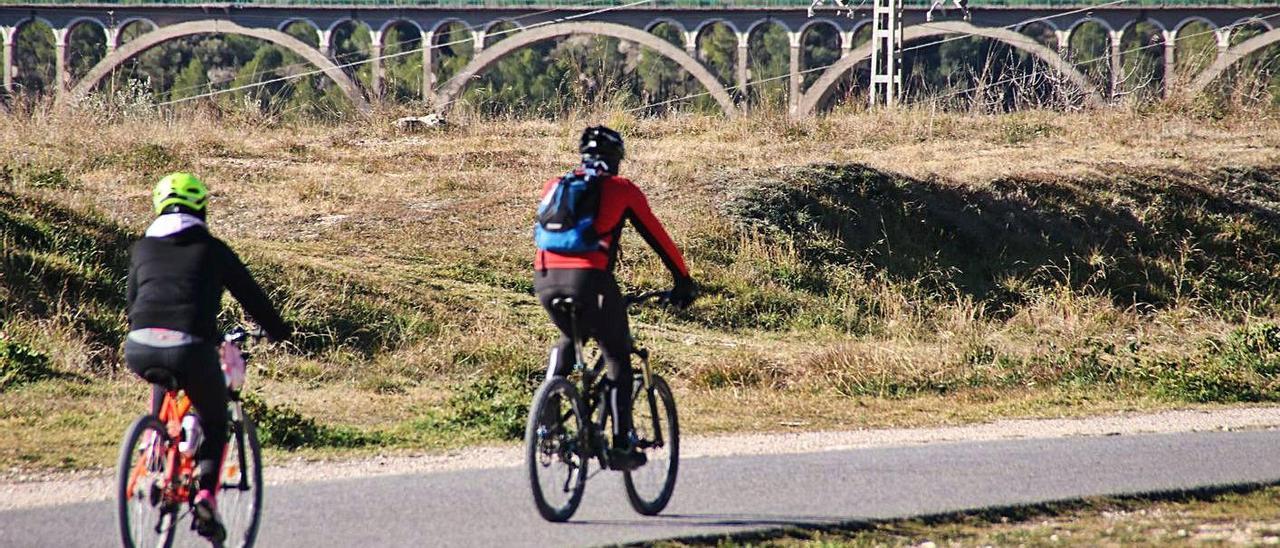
886 52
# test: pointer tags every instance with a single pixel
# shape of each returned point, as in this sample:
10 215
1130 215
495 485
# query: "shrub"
20 364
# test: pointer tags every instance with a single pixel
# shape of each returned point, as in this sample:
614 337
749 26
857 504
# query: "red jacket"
620 200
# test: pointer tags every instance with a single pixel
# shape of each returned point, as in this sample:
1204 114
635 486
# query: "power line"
742 87
1038 72
399 54
1008 27
353 54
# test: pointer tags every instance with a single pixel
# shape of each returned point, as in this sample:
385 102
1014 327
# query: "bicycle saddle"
162 377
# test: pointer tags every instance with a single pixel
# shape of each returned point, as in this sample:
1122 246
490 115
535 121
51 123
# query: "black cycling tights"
603 318
198 373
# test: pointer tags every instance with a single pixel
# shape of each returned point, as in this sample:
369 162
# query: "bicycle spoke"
649 487
553 454
240 498
146 518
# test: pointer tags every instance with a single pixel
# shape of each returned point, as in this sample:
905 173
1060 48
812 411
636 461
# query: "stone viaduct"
529 24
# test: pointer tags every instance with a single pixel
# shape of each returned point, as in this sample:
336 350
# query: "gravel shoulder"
96 485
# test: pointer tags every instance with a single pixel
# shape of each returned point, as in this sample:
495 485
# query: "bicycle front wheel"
649 487
555 449
240 498
146 510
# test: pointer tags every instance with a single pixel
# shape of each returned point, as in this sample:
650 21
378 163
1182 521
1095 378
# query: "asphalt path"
716 495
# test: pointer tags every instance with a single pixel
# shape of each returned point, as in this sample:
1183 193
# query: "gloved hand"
684 293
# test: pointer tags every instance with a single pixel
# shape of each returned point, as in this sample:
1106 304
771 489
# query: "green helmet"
182 189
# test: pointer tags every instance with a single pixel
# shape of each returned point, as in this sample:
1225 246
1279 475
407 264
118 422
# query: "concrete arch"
1129 25
451 21
490 55
354 23
1250 21
72 24
857 27
489 27
1022 27
1230 57
1177 28
757 25
122 24
310 22
17 27
816 21
697 32
382 31
1071 30
218 26
648 27
822 88
491 34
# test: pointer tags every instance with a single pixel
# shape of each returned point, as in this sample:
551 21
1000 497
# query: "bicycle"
565 431
156 483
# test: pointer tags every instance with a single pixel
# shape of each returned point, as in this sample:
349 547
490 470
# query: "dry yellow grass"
437 224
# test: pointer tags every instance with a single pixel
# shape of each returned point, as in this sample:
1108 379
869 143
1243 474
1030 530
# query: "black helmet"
599 143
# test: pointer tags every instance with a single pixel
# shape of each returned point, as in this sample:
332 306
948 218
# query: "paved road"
716 495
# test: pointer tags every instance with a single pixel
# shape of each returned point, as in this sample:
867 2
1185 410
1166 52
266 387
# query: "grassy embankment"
859 270
1239 517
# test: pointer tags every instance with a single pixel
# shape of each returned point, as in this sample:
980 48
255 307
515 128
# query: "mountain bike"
567 428
156 485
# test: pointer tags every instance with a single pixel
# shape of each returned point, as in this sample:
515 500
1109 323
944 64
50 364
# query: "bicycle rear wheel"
146 517
555 449
649 487
240 498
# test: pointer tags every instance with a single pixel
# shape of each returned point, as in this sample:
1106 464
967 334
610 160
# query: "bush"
286 428
20 364
497 403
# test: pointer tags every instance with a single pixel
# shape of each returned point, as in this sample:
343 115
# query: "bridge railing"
602 3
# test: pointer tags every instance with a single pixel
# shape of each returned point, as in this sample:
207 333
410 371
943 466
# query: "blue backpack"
566 216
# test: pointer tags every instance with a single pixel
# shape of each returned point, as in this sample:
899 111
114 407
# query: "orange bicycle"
157 469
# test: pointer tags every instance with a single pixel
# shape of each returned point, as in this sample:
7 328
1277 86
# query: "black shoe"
626 459
205 520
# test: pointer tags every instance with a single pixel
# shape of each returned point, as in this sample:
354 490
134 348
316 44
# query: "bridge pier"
375 64
744 47
793 92
264 20
8 36
1224 40
113 39
325 43
427 42
1117 65
1170 62
61 73
1064 41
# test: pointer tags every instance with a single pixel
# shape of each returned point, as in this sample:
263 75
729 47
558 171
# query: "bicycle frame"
180 466
595 394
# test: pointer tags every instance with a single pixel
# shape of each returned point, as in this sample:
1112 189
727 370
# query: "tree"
193 80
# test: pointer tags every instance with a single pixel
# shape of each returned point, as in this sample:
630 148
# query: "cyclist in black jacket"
177 273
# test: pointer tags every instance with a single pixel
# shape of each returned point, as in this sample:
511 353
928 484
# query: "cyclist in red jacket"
588 278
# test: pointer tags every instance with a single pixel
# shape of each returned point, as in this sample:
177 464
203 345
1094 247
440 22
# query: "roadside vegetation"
860 269
1244 516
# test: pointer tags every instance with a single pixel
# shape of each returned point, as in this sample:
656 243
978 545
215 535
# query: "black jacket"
176 283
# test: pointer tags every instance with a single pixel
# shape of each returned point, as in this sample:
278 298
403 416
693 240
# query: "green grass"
1241 515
